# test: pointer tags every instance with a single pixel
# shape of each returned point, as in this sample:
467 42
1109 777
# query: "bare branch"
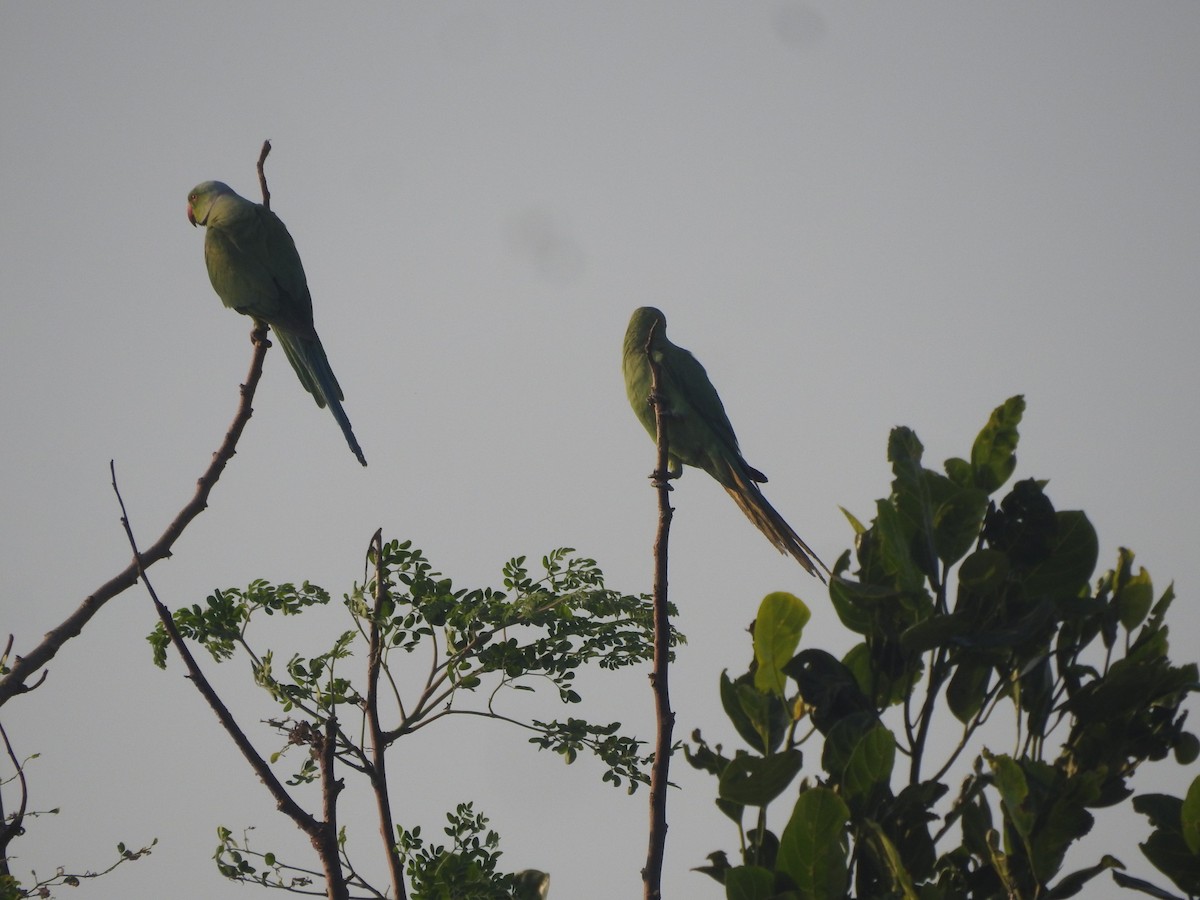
325 839
322 834
660 770
24 667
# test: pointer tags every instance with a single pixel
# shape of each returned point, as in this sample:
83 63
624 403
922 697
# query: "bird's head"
644 319
201 199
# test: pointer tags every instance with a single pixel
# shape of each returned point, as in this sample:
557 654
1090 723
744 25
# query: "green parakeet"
255 269
698 430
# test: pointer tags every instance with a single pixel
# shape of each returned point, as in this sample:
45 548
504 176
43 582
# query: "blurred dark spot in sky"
798 25
544 239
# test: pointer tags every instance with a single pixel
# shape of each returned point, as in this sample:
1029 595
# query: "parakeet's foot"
661 479
258 334
660 401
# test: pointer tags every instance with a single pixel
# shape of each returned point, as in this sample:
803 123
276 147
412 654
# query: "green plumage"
255 269
698 430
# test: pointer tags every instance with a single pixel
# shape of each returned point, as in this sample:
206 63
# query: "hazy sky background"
856 215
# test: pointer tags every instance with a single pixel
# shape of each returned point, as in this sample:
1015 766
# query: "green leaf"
760 718
1134 594
860 761
960 472
967 688
984 571
855 603
777 629
1139 884
1189 817
814 845
1171 856
1068 568
858 526
957 517
749 883
1163 810
1014 796
756 780
902 881
993 456
913 501
896 555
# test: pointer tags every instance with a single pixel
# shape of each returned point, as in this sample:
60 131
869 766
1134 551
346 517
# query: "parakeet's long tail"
752 502
307 357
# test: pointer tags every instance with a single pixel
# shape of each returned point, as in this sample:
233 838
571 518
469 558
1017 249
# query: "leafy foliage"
535 629
467 869
986 603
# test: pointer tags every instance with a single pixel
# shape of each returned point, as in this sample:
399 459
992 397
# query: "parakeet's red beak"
191 216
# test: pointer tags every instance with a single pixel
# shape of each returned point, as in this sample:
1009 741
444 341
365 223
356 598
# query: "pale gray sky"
856 215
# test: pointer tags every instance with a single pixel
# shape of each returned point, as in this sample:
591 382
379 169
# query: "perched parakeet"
255 269
698 430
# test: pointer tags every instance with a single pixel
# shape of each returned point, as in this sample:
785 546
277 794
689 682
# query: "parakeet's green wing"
688 382
288 273
253 263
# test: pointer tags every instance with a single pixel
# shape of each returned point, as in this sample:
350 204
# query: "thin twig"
379 783
24 667
262 175
322 835
13 825
660 770
283 800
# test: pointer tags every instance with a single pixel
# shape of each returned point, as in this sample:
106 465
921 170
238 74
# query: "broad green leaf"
757 780
1163 810
742 722
1139 884
1187 749
895 548
777 629
902 882
814 845
913 500
1134 597
1068 568
868 767
993 456
1164 603
960 472
966 690
1014 796
760 718
957 517
984 571
1189 817
749 883
855 603
1172 856
936 631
